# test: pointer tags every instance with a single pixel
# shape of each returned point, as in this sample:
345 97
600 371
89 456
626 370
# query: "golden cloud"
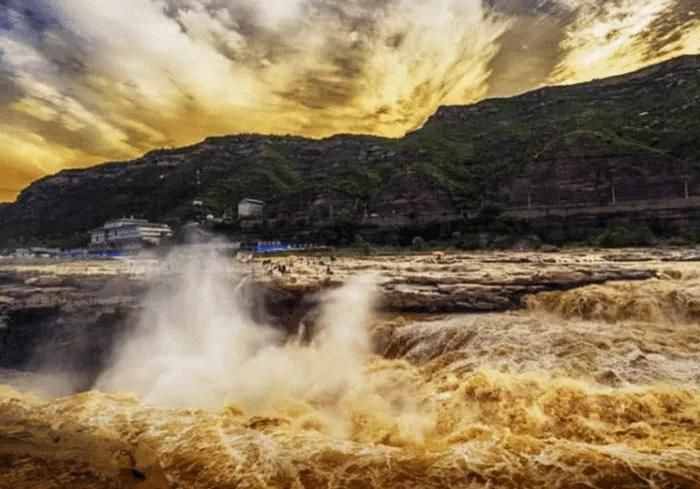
84 82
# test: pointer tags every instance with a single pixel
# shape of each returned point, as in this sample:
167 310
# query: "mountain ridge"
460 159
688 59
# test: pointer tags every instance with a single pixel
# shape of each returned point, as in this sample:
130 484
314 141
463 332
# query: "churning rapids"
595 387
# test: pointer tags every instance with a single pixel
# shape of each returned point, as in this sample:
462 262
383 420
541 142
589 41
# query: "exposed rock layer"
69 316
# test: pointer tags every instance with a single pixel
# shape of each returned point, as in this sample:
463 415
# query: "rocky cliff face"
68 324
555 146
588 168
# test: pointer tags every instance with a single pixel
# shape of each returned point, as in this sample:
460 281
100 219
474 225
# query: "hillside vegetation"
464 157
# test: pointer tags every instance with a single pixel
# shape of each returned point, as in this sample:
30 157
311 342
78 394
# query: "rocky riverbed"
70 313
570 369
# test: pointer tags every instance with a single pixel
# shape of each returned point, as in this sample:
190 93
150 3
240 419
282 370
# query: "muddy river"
575 369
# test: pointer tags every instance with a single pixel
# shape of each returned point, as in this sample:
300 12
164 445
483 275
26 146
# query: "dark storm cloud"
350 30
33 24
61 63
530 48
516 8
4 15
663 34
9 90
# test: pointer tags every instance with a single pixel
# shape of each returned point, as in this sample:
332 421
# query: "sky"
85 81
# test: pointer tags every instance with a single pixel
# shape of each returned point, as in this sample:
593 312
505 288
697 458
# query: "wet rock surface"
466 283
68 317
70 314
67 321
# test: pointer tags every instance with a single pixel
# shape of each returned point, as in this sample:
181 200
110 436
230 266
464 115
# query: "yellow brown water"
596 387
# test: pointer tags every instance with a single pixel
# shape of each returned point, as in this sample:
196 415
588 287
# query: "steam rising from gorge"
197 346
196 343
82 82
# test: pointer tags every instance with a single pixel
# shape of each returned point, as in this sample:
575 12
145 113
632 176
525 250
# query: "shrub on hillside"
418 244
623 236
361 244
470 242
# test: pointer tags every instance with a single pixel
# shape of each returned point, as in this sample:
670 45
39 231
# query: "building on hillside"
250 209
129 233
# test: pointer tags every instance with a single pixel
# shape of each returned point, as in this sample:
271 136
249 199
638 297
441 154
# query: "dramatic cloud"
84 81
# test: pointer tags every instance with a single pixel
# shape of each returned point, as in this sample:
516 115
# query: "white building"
130 233
250 209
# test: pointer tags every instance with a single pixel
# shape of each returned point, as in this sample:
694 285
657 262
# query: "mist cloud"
196 344
84 82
